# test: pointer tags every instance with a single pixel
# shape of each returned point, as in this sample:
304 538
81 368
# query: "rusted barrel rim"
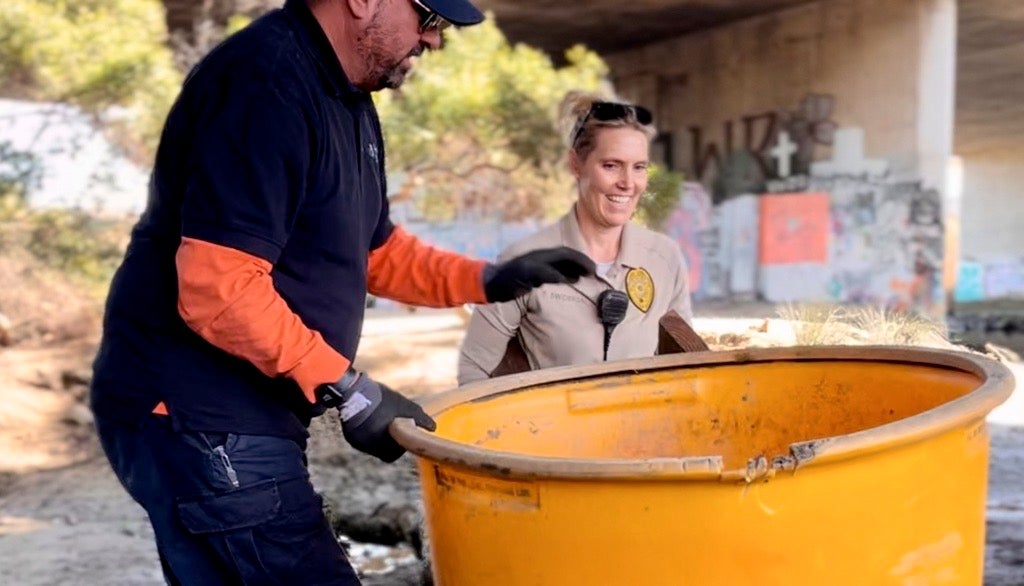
996 386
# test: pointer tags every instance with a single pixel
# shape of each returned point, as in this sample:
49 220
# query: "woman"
641 274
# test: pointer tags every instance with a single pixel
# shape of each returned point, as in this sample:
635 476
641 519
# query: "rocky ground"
65 520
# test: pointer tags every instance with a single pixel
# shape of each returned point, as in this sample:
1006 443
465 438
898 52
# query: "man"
236 313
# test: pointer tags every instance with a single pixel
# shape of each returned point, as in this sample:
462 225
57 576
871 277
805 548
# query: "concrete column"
936 105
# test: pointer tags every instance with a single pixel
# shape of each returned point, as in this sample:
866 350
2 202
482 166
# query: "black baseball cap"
457 12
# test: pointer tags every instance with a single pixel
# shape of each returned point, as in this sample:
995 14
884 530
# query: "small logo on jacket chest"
372 152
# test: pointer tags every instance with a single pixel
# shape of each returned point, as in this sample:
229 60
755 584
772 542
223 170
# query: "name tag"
566 297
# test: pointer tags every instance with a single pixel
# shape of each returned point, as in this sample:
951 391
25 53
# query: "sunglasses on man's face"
429 20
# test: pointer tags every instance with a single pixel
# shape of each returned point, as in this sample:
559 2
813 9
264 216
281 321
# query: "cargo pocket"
232 516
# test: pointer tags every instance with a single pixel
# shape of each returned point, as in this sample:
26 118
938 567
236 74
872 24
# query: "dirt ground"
65 520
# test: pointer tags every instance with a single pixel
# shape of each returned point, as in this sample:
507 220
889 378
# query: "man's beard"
373 48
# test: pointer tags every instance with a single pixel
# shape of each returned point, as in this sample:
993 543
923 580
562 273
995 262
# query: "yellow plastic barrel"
795 466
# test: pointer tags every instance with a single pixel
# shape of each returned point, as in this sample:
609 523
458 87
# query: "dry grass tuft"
826 324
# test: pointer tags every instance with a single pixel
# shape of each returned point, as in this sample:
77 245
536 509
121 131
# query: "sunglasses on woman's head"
608 111
605 111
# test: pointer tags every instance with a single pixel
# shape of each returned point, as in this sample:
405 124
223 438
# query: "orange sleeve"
227 296
406 269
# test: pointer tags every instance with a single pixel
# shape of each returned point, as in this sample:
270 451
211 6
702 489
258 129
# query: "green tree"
474 130
107 56
18 170
661 198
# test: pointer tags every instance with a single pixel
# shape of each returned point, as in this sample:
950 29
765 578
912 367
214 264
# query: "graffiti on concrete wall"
810 125
758 136
994 279
741 220
687 225
719 242
1004 279
753 134
794 246
855 251
925 240
848 158
713 249
887 241
970 282
794 228
847 232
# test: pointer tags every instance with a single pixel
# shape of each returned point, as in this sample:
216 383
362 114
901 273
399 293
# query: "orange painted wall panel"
794 228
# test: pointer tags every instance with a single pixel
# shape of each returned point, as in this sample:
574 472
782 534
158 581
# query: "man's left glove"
517 276
367 408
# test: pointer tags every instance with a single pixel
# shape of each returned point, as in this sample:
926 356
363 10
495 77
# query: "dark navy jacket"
270 150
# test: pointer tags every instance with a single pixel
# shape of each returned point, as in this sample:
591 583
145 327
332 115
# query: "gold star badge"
640 287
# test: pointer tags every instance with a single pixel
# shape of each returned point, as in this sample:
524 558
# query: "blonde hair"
574 110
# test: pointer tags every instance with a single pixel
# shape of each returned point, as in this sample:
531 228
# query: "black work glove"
516 277
366 408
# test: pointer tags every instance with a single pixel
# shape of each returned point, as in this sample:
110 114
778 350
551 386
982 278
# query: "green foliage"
93 53
76 243
79 245
236 23
474 130
18 169
661 198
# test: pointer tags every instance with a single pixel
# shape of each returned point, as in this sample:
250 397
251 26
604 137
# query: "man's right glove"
367 408
516 277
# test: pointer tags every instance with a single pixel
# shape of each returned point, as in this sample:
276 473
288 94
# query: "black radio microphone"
611 310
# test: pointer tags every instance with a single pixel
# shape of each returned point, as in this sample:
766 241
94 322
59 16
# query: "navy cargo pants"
226 509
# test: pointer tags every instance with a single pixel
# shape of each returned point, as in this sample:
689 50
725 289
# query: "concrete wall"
866 54
992 216
861 95
992 239
990 144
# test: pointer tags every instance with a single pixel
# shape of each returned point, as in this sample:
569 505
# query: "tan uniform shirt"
558 324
